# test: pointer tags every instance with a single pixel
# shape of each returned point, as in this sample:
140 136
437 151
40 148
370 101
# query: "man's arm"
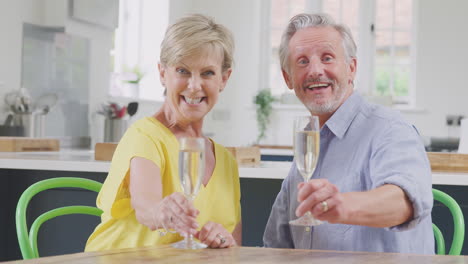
401 192
384 206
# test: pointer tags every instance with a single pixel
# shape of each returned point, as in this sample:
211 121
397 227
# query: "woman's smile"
193 100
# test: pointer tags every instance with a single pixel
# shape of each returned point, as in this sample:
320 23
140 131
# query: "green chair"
458 223
28 240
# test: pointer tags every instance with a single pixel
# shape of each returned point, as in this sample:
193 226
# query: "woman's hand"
151 208
214 235
176 212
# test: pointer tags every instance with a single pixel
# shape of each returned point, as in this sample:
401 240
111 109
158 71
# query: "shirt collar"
340 121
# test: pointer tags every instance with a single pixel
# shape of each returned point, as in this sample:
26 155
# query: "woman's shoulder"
146 138
148 123
144 133
150 127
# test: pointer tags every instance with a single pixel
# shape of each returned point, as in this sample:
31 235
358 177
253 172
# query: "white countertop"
279 152
64 160
83 160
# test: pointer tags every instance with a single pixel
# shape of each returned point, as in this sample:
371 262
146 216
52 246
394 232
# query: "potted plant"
131 80
263 100
134 75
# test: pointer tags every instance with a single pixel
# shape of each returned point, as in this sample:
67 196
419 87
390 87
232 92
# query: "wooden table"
166 254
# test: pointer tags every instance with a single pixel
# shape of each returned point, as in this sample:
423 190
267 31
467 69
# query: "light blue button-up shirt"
362 146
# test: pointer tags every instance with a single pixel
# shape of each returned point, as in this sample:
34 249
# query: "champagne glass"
191 172
306 151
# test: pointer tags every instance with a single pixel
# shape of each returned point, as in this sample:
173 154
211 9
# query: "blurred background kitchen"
412 56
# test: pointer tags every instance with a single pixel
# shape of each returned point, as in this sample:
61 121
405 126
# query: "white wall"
11 30
442 58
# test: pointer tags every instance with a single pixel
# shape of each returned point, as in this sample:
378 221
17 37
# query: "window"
142 24
392 49
381 26
281 12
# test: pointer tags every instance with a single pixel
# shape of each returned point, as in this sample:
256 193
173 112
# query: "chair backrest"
458 225
28 240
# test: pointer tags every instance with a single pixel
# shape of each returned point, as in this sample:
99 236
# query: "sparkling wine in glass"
191 171
306 152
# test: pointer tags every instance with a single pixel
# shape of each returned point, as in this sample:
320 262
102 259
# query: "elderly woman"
142 192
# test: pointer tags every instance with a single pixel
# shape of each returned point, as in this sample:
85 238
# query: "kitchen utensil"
105 111
19 101
11 131
132 108
115 110
25 99
45 103
8 120
12 99
26 102
19 105
114 129
122 112
33 123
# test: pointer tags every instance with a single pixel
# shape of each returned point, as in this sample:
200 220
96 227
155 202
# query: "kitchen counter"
83 161
64 160
259 185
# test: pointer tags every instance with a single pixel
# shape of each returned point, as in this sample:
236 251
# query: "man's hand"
326 203
323 200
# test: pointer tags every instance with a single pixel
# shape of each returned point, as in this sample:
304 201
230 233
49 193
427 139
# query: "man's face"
318 71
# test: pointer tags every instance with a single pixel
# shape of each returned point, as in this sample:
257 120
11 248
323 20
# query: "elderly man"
372 183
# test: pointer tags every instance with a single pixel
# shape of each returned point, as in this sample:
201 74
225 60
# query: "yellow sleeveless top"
218 202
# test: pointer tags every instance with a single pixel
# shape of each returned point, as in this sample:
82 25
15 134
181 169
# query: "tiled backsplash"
55 62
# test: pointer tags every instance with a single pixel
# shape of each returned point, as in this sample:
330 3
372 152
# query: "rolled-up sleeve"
399 158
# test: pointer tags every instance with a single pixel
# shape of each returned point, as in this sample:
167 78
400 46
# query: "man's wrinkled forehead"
312 49
322 37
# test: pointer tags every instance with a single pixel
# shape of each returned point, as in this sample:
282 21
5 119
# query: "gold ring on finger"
324 206
221 238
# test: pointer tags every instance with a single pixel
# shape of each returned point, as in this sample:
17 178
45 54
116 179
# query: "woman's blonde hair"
190 34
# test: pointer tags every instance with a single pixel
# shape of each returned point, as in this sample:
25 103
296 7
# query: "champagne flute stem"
188 240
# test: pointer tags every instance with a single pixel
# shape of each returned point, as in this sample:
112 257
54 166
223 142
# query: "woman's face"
194 83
